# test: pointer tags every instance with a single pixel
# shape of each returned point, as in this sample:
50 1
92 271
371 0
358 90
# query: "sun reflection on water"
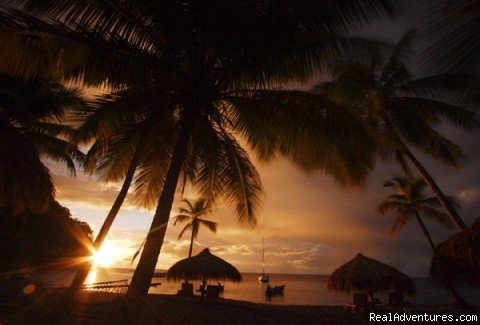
92 276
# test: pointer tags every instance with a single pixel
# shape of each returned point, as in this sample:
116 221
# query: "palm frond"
181 218
241 183
138 251
188 227
419 133
312 139
53 129
438 216
57 149
389 206
449 35
435 111
400 222
212 226
461 89
25 182
395 71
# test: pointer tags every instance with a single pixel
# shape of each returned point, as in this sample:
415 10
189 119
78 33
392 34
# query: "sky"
310 225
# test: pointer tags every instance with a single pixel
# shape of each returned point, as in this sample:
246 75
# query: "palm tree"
210 65
401 111
408 202
450 28
29 114
118 152
194 211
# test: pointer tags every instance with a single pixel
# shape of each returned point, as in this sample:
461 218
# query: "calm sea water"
299 289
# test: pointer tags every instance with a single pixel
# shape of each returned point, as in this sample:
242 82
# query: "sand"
101 308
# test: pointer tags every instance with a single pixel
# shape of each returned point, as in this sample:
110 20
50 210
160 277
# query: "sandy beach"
96 308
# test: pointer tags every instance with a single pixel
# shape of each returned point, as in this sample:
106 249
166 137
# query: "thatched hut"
457 260
205 266
368 275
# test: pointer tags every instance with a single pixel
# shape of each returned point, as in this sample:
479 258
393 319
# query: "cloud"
471 195
232 249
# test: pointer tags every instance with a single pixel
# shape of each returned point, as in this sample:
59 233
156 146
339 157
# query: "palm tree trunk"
425 230
82 274
63 308
138 289
191 242
442 198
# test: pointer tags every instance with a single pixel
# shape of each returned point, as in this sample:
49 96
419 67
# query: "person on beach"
203 290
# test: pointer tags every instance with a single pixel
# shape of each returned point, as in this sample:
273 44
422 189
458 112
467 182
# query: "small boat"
276 290
264 278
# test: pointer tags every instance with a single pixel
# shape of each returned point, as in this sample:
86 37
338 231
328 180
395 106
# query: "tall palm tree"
192 214
210 64
402 112
118 152
409 201
30 112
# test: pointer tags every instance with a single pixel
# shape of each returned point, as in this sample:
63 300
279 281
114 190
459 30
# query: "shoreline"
100 307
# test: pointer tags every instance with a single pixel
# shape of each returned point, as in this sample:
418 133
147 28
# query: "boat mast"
263 255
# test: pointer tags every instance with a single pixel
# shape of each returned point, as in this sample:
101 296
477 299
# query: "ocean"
300 289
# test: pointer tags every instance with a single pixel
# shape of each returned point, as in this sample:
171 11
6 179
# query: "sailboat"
264 278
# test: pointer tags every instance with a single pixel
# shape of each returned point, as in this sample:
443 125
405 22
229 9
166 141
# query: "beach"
101 307
306 301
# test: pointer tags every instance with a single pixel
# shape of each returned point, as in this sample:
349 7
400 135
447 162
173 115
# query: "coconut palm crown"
402 112
410 201
30 112
192 214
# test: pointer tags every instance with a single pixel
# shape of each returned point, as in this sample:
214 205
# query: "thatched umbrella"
204 266
457 260
369 275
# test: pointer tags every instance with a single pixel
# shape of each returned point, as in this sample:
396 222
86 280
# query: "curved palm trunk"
442 198
138 289
425 230
82 274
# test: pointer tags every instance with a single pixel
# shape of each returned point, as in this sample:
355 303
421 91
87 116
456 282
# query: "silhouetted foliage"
452 36
409 201
401 112
191 215
33 240
30 115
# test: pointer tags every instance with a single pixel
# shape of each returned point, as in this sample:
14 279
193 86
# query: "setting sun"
106 255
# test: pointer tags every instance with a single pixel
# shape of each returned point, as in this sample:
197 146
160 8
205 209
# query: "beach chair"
186 291
360 303
395 300
213 291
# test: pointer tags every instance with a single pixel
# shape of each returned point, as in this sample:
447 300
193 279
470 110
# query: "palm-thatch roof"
457 260
204 266
369 275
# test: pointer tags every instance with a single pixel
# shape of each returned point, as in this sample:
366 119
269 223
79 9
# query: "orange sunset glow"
239 162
